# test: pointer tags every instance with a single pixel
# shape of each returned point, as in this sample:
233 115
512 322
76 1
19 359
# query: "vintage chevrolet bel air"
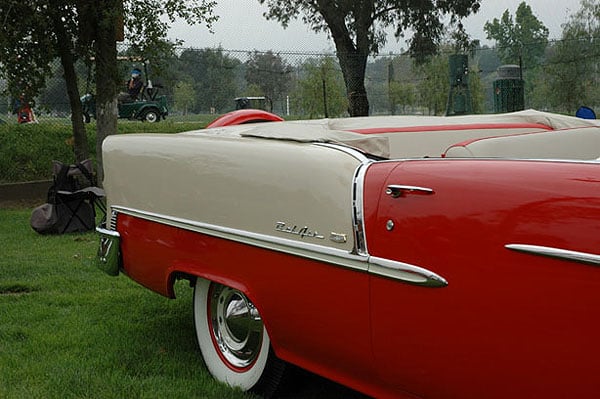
405 257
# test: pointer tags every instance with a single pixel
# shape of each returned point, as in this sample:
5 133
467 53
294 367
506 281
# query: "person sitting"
24 111
134 87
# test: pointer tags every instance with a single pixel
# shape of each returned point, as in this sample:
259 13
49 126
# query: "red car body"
469 278
242 116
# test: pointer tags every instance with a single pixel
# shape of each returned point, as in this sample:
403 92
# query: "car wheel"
233 340
151 116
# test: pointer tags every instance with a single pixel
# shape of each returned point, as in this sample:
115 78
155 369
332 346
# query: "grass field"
69 331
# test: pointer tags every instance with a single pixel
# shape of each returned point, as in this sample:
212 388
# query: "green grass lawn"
27 151
67 330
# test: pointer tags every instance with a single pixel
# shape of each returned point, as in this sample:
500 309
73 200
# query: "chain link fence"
310 85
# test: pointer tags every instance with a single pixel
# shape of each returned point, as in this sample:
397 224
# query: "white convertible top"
409 136
553 121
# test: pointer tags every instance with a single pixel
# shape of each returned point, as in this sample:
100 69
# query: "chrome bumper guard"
109 253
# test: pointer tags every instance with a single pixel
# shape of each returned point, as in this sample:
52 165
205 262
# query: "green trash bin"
509 90
459 98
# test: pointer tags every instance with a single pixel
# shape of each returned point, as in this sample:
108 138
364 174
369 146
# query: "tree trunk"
80 139
106 77
67 61
352 57
353 67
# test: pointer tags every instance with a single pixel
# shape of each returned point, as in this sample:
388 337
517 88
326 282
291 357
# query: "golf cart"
263 103
148 106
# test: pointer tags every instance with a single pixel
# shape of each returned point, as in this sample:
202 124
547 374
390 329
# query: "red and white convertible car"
405 257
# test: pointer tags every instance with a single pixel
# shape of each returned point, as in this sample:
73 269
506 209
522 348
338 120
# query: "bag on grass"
44 219
74 216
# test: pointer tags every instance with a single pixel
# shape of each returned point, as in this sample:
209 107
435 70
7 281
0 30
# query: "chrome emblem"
338 238
299 231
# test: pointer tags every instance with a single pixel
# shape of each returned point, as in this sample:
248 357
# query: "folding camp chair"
72 201
76 196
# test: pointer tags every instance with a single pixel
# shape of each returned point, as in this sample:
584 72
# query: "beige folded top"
411 136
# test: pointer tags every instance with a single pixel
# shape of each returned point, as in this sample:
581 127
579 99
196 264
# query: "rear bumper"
109 254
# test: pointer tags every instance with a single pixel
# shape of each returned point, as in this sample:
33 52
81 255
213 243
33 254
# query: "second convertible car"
404 257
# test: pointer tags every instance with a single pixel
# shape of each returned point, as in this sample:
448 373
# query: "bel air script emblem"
299 231
306 232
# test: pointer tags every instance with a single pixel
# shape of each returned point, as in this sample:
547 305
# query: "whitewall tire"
233 340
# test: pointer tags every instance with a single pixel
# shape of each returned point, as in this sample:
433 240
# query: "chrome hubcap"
236 326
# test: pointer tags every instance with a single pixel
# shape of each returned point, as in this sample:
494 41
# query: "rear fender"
195 271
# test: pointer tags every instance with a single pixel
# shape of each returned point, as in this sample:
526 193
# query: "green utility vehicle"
147 106
150 107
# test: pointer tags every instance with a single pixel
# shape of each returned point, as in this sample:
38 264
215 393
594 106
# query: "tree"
476 88
33 33
32 36
184 96
521 41
213 76
144 27
320 91
357 28
575 61
434 85
270 72
403 94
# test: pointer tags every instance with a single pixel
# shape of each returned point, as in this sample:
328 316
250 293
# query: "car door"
503 319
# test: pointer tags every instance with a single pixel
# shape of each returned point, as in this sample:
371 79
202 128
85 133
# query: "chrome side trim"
405 272
358 214
382 267
320 253
557 253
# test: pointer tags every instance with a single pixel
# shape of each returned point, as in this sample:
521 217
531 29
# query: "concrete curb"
25 192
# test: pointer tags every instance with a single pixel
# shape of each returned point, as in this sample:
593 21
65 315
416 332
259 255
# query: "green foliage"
146 33
184 97
253 90
27 45
270 72
462 41
70 331
212 74
27 151
575 60
145 30
366 21
389 81
402 94
476 88
308 98
434 85
526 37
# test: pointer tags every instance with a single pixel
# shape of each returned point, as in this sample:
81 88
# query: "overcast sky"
241 26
